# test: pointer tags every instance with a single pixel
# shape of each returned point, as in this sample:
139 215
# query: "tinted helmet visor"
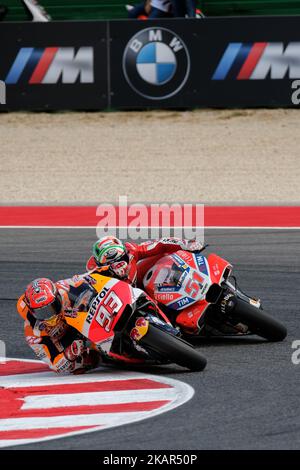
47 312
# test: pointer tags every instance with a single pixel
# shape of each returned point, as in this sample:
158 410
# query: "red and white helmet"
43 299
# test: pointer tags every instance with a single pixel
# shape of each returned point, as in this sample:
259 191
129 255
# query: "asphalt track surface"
248 396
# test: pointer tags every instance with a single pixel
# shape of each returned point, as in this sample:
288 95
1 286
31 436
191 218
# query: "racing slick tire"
259 322
173 348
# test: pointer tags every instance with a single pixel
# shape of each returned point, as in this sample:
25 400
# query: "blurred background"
116 9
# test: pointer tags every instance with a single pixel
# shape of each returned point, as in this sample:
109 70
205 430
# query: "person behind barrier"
184 8
151 9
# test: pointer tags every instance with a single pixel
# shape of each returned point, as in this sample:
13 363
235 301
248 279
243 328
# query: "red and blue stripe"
31 64
239 60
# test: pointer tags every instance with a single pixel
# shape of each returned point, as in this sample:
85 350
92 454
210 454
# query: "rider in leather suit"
43 307
117 259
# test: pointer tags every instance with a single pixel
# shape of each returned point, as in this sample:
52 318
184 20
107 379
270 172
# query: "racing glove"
90 359
192 245
75 350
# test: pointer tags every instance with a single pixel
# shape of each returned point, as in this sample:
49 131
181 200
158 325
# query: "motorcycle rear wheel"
259 322
173 348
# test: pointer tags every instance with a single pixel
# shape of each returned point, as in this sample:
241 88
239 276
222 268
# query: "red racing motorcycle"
201 296
125 326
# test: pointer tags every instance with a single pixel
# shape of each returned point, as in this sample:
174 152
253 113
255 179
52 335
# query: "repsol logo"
94 305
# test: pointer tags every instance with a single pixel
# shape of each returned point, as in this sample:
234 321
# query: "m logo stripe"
252 60
18 65
43 65
239 60
227 60
259 61
51 65
31 64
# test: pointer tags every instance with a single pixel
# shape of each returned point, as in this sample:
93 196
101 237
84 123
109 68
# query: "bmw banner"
150 63
156 63
55 65
167 63
225 62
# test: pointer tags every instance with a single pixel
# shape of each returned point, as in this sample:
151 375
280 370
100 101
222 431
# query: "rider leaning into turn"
43 307
113 258
45 304
116 259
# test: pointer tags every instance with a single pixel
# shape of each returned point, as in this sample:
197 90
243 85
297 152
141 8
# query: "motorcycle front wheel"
259 322
173 348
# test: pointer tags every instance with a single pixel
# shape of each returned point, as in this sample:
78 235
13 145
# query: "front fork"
251 300
141 327
222 318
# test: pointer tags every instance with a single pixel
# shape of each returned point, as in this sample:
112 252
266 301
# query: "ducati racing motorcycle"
124 325
201 296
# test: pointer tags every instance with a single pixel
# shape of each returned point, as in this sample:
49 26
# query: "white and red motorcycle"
201 296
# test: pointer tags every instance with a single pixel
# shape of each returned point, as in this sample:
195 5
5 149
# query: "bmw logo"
156 63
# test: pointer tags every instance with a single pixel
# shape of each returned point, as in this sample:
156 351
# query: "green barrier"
250 7
70 10
115 9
